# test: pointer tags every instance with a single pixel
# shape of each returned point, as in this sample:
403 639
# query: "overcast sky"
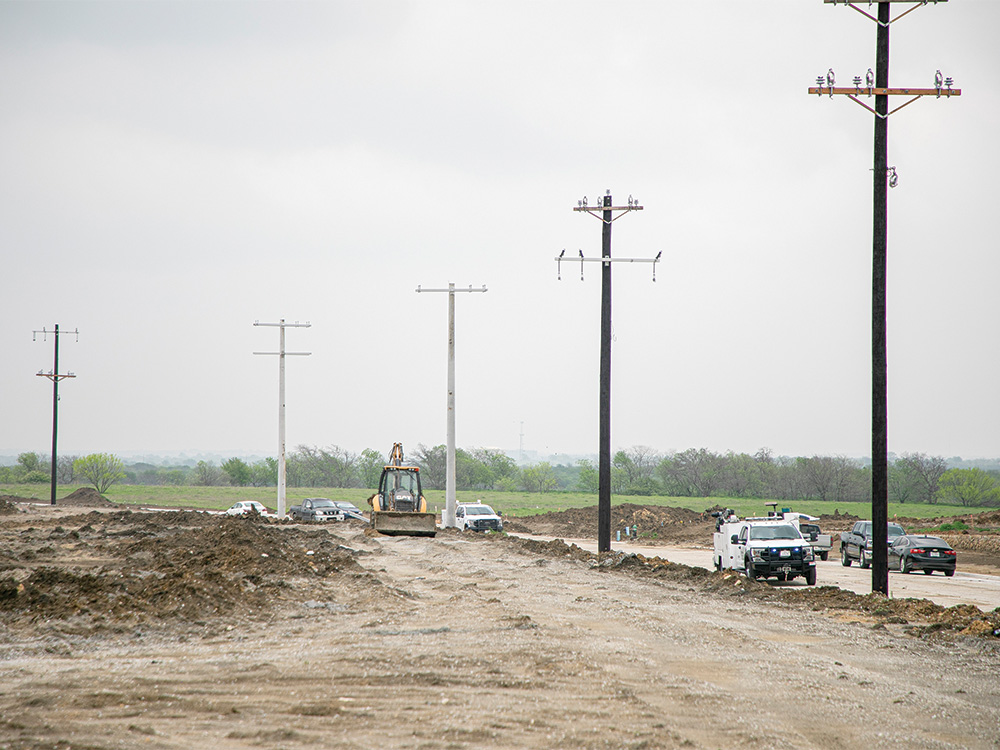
171 172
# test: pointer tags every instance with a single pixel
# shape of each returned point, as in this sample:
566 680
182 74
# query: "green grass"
510 503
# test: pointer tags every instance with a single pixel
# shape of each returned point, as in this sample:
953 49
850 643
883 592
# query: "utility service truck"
763 547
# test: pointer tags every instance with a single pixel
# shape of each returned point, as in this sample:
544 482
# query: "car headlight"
756 554
807 553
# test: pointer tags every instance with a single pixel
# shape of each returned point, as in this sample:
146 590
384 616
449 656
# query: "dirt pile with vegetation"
121 568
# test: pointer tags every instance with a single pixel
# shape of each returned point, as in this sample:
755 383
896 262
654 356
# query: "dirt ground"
185 629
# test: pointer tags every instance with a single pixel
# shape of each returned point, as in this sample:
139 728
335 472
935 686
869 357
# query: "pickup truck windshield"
785 531
479 510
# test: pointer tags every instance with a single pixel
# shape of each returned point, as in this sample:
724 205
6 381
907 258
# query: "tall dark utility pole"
605 210
55 377
877 84
880 379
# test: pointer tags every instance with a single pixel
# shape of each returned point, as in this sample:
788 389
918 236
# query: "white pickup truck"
764 547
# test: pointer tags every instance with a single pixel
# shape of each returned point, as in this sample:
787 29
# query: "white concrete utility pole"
448 521
281 354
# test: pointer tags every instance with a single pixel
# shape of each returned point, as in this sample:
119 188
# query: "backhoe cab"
399 507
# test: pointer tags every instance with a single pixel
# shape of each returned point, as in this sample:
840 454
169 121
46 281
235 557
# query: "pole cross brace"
853 6
595 211
854 92
605 261
54 377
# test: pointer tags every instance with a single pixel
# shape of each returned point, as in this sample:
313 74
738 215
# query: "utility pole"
55 376
448 520
605 210
281 354
877 85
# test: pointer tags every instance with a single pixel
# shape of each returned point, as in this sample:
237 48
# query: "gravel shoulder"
457 641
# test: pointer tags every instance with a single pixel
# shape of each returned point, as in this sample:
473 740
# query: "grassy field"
510 503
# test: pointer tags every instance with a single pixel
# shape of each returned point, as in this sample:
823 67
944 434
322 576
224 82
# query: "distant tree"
100 469
322 467
538 478
206 474
238 471
901 483
370 467
589 479
30 461
925 471
500 465
968 487
64 469
264 473
433 463
694 472
35 477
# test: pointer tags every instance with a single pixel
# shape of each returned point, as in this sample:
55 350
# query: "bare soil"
186 629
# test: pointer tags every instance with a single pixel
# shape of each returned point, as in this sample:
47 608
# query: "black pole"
55 414
604 468
880 418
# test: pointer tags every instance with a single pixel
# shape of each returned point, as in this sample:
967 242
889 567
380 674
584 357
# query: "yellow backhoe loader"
399 508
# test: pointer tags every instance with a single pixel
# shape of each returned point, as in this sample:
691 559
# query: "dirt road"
461 641
979 589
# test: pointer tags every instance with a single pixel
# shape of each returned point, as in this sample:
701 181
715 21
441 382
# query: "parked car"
316 509
350 510
247 507
857 543
919 552
477 517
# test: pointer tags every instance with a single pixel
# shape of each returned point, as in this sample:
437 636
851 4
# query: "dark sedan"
926 553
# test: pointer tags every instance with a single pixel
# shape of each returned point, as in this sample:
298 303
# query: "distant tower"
520 447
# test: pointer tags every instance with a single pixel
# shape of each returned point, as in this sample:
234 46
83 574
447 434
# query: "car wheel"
904 566
928 571
863 559
824 556
844 559
949 573
751 574
811 577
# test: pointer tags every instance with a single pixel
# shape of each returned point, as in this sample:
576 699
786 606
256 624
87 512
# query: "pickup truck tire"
811 577
844 559
750 571
824 556
863 559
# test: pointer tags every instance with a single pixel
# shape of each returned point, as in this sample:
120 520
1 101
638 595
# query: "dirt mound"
650 522
124 568
8 504
87 497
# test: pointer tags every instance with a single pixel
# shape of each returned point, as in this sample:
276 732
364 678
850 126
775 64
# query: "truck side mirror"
734 539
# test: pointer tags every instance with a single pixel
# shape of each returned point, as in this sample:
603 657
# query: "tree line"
640 470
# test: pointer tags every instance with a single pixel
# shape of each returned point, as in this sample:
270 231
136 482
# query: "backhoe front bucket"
402 523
